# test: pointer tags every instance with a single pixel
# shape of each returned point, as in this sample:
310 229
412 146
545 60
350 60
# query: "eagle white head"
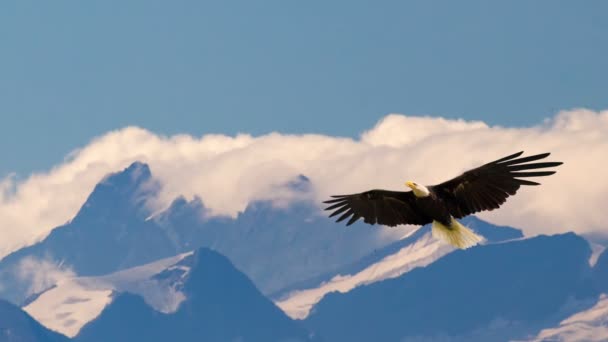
418 189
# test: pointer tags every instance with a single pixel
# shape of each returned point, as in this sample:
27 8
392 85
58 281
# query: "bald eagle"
483 188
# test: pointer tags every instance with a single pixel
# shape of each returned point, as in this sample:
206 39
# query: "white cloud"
41 274
389 131
227 172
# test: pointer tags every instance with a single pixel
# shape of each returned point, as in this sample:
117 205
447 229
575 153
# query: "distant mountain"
496 292
73 302
266 241
114 230
110 232
416 250
220 304
18 326
590 324
600 272
346 284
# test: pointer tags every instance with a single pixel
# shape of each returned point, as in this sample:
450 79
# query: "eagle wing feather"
389 208
487 187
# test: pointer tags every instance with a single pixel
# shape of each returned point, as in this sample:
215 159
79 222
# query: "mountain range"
219 304
264 241
17 326
498 291
120 271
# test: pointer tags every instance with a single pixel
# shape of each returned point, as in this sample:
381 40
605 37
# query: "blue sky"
72 70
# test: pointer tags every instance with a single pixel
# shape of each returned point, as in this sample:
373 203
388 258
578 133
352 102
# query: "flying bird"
486 187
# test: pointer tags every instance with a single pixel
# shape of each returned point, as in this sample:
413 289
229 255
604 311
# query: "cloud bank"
229 171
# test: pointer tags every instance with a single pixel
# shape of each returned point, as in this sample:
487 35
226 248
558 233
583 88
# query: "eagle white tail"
456 235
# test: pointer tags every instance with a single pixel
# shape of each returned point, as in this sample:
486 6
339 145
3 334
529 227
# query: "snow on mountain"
600 272
420 253
220 304
597 250
109 233
417 249
17 326
494 292
72 303
68 306
266 240
588 325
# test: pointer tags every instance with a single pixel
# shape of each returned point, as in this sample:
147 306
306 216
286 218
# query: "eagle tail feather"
456 235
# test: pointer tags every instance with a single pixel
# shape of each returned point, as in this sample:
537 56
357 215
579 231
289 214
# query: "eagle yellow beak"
410 184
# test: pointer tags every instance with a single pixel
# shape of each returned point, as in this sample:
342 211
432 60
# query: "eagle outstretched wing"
389 208
488 186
